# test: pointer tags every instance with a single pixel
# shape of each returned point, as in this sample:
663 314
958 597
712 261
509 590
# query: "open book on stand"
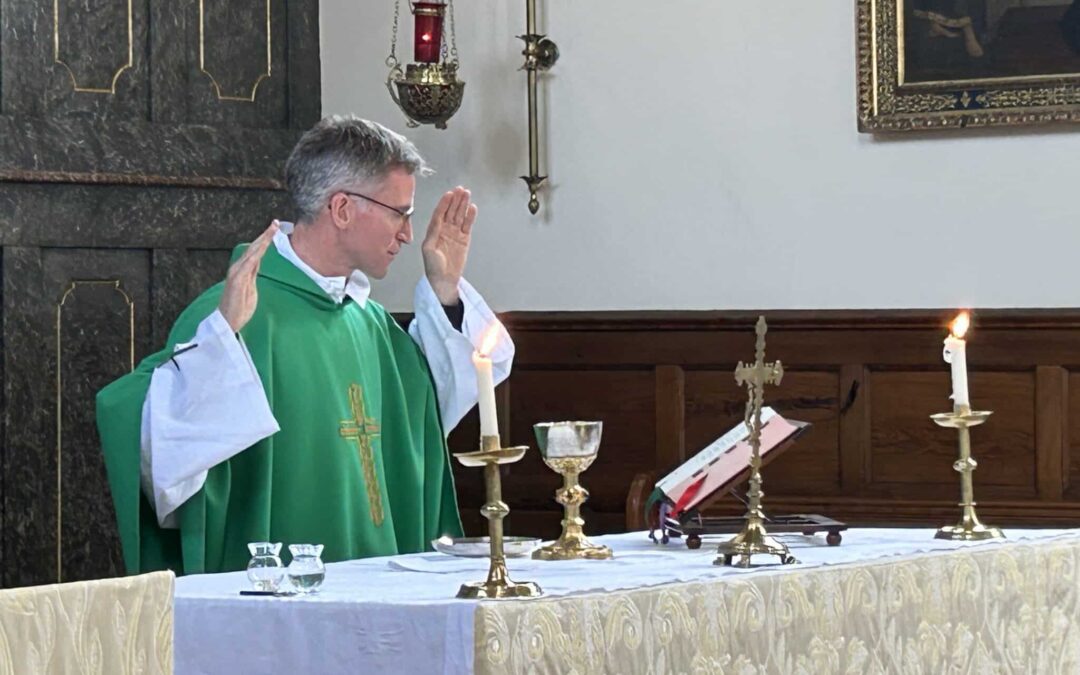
677 502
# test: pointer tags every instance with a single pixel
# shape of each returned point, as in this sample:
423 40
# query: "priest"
289 406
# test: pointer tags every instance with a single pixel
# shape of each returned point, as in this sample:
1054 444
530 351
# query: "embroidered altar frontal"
1001 609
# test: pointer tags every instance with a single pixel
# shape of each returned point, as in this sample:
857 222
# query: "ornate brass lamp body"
428 91
540 55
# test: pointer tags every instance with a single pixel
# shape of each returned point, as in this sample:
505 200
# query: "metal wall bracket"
540 55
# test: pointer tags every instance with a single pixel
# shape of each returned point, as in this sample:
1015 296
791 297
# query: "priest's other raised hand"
446 244
239 297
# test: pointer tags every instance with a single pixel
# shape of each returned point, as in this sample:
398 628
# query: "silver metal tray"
480 547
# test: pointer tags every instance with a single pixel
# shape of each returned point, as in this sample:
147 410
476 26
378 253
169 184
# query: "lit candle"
956 356
485 383
427 27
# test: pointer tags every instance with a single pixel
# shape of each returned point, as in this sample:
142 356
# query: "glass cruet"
306 570
265 571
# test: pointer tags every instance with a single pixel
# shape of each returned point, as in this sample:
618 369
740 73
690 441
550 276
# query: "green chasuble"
360 464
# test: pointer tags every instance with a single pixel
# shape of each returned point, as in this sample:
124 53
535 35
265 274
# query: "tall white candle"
955 354
485 384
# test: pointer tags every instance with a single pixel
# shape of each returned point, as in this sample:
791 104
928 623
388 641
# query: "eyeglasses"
405 214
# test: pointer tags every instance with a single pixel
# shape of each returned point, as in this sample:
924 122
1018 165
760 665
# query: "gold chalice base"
977 533
483 590
572 550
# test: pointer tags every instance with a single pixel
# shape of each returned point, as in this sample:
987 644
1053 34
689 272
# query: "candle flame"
491 337
960 324
426 37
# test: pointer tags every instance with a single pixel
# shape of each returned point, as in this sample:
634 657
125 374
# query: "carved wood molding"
787 319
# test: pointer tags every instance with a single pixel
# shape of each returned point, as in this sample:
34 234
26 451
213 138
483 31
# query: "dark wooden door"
139 141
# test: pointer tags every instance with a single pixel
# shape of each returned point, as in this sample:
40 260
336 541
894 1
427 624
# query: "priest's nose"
405 234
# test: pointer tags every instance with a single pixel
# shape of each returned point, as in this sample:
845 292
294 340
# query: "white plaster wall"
703 154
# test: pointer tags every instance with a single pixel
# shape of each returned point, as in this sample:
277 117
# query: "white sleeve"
204 405
449 352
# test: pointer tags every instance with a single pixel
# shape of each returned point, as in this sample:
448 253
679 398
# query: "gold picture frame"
952 64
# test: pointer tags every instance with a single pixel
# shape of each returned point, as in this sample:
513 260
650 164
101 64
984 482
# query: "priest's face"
376 223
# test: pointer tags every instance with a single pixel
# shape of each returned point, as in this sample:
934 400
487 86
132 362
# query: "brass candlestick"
498 583
969 528
569 448
753 538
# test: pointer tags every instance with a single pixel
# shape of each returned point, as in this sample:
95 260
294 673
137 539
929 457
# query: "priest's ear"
341 209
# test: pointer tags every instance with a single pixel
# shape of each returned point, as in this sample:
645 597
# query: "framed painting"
941 64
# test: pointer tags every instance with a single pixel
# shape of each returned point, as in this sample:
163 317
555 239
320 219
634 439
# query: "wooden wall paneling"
1051 431
469 482
872 377
546 524
624 400
911 456
670 418
854 435
1072 437
811 466
803 338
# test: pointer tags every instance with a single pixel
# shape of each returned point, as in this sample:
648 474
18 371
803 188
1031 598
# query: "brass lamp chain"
453 35
391 61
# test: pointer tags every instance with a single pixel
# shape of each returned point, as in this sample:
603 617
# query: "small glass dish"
480 547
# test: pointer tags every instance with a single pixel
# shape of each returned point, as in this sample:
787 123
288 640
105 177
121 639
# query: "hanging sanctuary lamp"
428 91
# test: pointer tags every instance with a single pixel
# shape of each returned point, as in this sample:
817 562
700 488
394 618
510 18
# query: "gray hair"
343 151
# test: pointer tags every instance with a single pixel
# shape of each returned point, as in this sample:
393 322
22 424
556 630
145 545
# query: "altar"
887 600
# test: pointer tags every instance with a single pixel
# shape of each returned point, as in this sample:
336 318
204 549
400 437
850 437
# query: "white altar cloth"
399 615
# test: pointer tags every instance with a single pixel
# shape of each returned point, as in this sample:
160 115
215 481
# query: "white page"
711 452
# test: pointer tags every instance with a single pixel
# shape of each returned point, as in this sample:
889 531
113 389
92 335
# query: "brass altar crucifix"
753 538
362 429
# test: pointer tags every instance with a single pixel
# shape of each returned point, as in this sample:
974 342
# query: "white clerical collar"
356 286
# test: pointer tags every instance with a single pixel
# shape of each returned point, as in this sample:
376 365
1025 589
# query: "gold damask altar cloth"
997 609
109 627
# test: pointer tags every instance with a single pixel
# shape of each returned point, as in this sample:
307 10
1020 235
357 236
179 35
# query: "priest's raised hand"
446 244
239 297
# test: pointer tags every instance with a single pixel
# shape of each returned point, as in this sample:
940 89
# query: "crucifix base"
753 540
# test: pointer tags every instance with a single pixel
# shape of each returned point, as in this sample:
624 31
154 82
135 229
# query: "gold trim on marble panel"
214 82
116 76
115 283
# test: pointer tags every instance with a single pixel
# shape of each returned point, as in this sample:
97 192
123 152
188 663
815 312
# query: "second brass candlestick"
969 528
498 583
